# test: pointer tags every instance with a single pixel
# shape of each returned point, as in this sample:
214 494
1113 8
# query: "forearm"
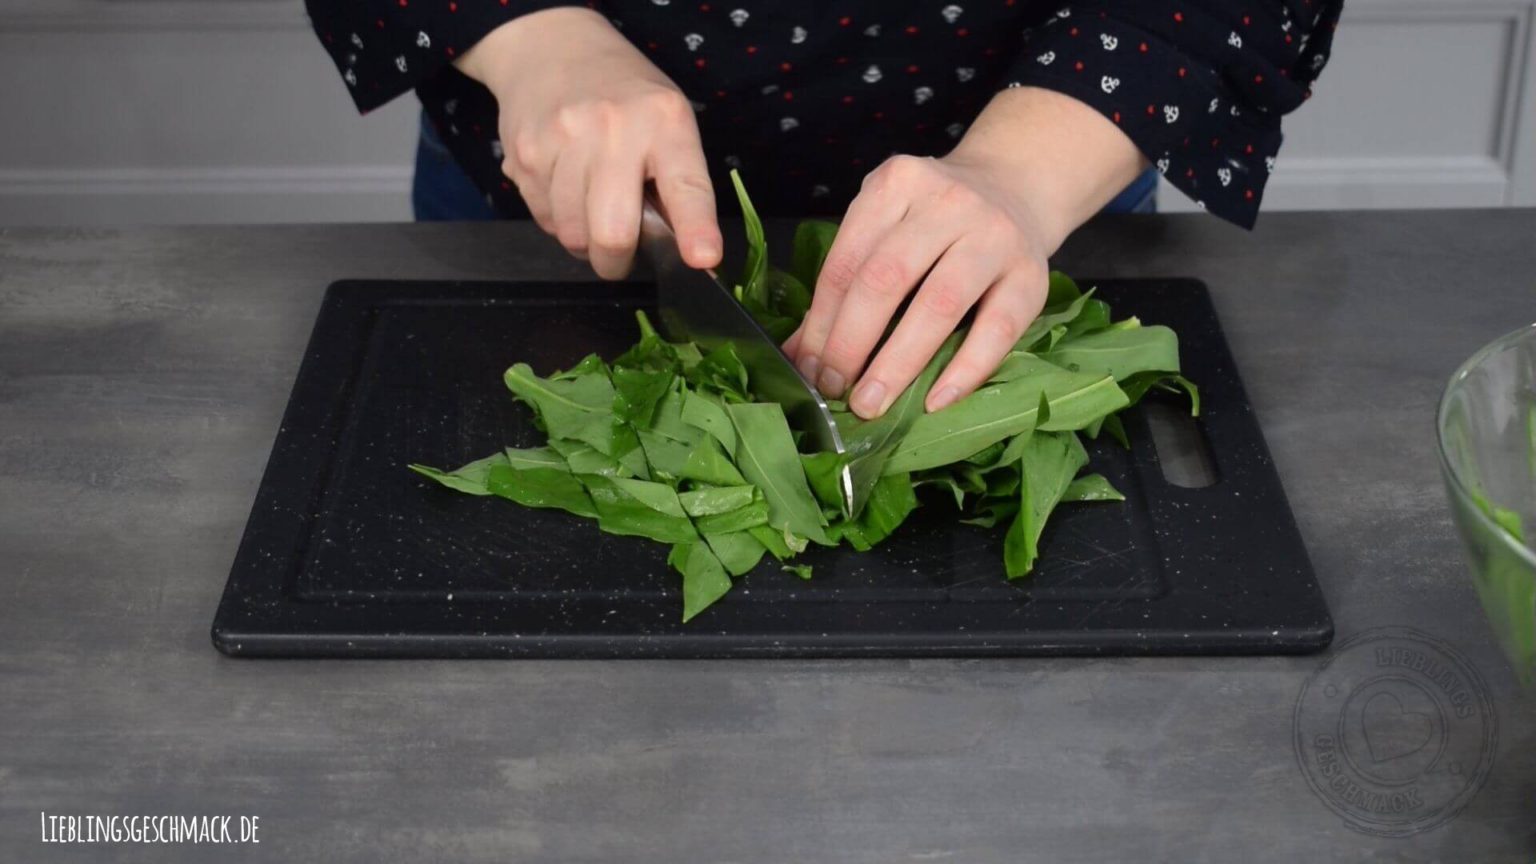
537 40
1058 157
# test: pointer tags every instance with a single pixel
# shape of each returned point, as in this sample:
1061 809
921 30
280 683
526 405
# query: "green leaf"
823 472
714 500
788 297
704 578
554 488
583 458
756 267
738 551
747 516
708 463
813 239
1121 353
707 413
721 371
638 508
890 503
577 408
1092 487
636 393
666 456
1048 465
1001 411
801 570
870 444
535 457
469 478
766 456
1049 319
772 540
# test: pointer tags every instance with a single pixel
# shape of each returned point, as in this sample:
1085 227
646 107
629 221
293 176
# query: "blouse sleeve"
384 48
1198 85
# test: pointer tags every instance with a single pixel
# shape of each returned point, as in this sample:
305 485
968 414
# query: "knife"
696 306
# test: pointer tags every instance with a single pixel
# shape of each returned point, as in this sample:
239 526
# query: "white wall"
122 111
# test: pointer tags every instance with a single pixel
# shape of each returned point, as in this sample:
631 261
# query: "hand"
585 121
973 229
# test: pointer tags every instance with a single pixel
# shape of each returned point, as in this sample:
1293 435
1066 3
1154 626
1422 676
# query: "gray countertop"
142 376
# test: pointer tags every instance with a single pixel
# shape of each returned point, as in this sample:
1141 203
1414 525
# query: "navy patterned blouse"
806 97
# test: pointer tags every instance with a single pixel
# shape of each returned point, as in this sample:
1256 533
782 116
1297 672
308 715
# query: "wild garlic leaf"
704 578
554 488
1092 487
709 463
1121 353
714 500
708 413
813 240
755 270
766 456
869 444
639 508
1001 411
470 478
578 408
738 551
1048 464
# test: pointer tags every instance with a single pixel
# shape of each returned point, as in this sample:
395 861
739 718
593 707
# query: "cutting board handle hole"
1182 452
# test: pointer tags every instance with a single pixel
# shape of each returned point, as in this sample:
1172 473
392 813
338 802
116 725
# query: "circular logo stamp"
1396 732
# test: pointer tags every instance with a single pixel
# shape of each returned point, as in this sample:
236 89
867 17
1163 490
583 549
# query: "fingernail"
868 399
831 383
944 398
810 364
705 249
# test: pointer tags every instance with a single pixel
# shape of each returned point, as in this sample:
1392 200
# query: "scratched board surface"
348 554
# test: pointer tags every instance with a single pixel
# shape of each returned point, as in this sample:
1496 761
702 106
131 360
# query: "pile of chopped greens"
667 442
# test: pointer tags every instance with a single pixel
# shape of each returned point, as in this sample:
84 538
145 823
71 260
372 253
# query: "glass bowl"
1487 433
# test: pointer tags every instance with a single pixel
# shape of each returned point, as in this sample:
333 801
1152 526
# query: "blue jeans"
442 191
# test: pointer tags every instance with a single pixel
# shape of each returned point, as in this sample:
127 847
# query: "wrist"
1057 158
501 56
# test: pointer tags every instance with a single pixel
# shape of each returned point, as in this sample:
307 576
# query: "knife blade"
696 306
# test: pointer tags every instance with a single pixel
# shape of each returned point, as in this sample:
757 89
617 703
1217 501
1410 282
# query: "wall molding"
130 16
318 180
341 193
1356 183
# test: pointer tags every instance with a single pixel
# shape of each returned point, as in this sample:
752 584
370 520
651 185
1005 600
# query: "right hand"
585 121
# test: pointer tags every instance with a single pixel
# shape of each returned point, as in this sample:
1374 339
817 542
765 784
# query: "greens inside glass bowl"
1487 432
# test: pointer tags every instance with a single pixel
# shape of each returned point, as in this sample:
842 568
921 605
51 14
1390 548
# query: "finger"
568 199
792 344
682 183
869 217
900 260
962 276
613 212
1001 316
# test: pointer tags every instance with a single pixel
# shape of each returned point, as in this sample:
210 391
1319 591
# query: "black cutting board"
347 554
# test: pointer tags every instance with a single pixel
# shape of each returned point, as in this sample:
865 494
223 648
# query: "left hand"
978 245
973 229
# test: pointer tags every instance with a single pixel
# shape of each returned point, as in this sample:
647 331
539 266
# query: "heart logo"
1391 732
